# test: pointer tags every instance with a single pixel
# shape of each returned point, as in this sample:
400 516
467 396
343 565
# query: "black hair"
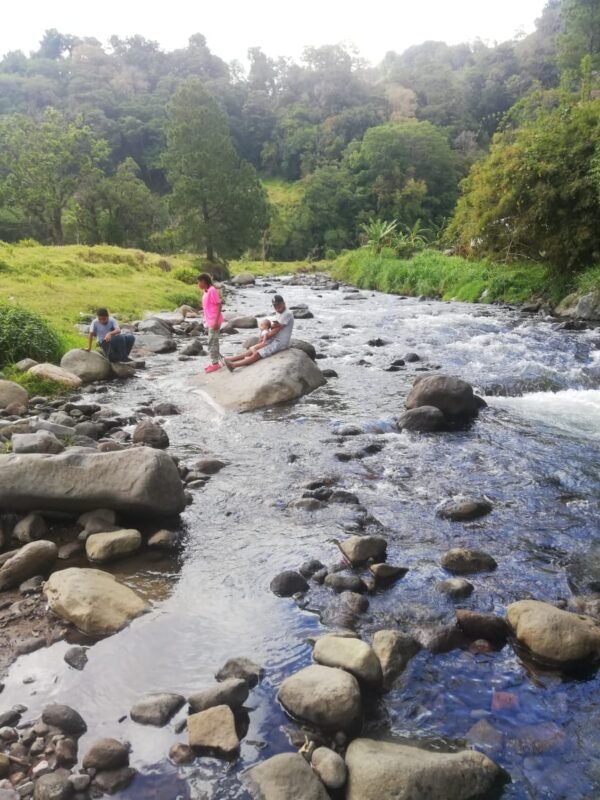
206 278
102 312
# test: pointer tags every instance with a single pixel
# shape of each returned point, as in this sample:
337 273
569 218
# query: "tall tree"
220 202
580 37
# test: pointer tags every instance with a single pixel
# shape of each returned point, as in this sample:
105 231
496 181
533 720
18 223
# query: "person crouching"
115 344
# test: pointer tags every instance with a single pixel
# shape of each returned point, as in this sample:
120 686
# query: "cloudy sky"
280 28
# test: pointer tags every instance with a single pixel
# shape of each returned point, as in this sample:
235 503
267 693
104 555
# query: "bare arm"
90 340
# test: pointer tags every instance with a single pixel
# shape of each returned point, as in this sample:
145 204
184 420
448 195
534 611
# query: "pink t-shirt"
210 306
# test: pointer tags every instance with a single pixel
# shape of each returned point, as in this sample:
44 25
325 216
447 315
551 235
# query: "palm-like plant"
377 233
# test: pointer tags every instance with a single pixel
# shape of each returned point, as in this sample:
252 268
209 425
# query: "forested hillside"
110 142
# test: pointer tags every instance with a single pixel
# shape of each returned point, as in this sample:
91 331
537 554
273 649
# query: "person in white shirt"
276 339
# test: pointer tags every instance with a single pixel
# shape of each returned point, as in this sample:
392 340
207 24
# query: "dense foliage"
24 334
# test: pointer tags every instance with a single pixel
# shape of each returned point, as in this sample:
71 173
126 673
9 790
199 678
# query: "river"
533 453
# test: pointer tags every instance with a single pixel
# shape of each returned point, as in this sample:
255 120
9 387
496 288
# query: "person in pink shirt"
213 318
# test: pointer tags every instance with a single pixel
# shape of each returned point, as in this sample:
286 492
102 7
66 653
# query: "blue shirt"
100 329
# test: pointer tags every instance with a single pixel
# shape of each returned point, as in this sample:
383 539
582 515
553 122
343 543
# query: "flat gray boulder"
378 770
53 373
156 708
244 279
38 442
154 325
35 558
284 777
154 343
86 366
327 697
140 481
11 394
281 377
352 655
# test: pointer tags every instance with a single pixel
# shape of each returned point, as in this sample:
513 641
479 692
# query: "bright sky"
280 27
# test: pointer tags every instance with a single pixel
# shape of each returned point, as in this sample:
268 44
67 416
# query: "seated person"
274 340
115 345
264 327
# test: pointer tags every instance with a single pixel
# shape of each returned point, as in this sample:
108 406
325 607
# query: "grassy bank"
449 277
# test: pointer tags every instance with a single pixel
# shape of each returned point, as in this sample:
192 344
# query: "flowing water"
533 453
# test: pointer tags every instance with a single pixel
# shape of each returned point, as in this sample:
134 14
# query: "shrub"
35 384
24 334
185 275
184 298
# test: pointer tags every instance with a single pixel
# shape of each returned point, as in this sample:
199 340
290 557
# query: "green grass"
448 277
277 267
35 384
283 193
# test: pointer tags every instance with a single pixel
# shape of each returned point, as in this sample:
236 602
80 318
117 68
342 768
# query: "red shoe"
212 368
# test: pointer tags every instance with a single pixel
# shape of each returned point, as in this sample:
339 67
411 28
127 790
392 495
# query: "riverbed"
533 453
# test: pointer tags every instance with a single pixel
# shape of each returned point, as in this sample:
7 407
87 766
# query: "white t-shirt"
100 330
284 334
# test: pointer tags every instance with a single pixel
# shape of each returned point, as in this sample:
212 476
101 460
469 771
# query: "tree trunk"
57 230
210 254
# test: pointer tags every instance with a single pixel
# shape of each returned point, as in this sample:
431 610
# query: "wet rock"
343 583
385 574
53 786
242 668
349 430
76 657
425 419
4 770
583 571
154 343
80 783
342 496
181 753
394 650
88 367
307 504
139 481
164 540
68 551
65 718
329 373
452 396
355 602
323 696
554 636
32 559
91 430
288 583
306 347
65 751
107 754
463 508
283 376
463 561
441 638
30 528
113 781
476 625
25 364
209 466
10 718
455 588
12 393
92 600
30 645
284 777
330 767
309 568
38 442
155 326
352 655
379 770
411 358
214 731
484 736
150 434
244 279
112 545
194 348
166 409
320 575
157 708
359 549
97 521
232 692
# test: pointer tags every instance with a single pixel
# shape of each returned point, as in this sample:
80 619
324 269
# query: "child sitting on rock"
115 345
264 327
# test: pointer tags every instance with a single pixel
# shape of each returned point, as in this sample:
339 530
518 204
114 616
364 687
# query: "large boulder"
351 655
284 376
394 649
53 373
155 326
588 306
244 279
39 442
452 396
35 558
284 777
154 343
378 770
554 636
86 366
94 601
326 697
241 322
139 481
11 394
213 731
425 419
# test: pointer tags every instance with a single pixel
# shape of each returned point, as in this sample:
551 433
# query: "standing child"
213 318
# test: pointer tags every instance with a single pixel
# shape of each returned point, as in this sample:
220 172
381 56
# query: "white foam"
574 412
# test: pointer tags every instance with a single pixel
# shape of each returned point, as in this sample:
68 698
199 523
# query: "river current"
534 452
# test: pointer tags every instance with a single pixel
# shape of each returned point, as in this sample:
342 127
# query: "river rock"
208 466
306 347
107 754
32 559
30 528
554 636
452 396
394 650
76 657
214 731
455 588
12 394
150 434
425 419
155 326
153 343
284 777
309 568
463 561
114 780
232 692
122 370
166 409
283 376
440 638
242 668
25 364
164 540
88 367
98 520
244 279
583 571
194 348
243 322
330 767
385 574
170 318
92 600
323 696
53 786
140 481
345 583
463 508
359 549
65 718
112 544
588 306
181 753
476 625
352 655
378 770
157 708
53 373
288 583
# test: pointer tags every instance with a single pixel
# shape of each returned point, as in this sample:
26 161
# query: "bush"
185 275
24 334
184 299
